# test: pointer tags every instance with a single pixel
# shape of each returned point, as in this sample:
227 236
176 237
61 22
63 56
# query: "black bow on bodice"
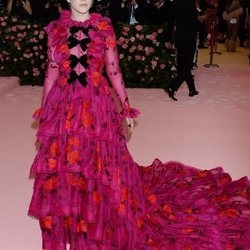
72 42
81 78
74 60
75 29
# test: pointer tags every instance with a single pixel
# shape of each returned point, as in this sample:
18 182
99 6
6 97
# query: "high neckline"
67 19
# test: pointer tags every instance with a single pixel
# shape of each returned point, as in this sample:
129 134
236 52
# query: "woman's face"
81 6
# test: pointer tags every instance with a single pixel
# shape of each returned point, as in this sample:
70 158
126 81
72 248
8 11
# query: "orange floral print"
66 64
98 164
124 192
96 78
82 226
47 222
96 196
152 198
52 163
81 183
72 179
73 157
139 223
167 209
171 217
54 149
68 221
229 212
111 42
50 183
187 210
67 124
189 218
103 25
98 147
63 81
38 112
219 198
64 48
202 174
86 105
75 141
87 120
225 180
187 230
121 209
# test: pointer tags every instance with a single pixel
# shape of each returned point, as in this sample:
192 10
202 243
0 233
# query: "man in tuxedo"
127 11
185 19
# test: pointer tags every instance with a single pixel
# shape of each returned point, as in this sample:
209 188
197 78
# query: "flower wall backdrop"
22 50
144 59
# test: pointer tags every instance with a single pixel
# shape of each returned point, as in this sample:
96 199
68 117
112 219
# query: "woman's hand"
130 123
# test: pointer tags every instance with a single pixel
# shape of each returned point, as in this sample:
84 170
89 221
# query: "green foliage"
22 50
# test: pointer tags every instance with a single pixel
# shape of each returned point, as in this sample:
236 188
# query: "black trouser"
185 56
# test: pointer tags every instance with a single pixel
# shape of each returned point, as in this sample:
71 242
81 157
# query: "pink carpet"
209 130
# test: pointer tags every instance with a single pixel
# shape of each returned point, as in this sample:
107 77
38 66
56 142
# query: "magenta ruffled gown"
88 191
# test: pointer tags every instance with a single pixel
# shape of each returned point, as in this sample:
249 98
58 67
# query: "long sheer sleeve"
51 76
115 76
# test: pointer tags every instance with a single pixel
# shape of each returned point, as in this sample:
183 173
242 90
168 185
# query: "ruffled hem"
37 114
163 206
129 113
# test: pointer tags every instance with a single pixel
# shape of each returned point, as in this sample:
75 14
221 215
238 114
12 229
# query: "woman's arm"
51 73
9 6
115 76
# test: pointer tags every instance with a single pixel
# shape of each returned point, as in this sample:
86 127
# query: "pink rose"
3 24
26 72
14 19
41 56
14 28
146 70
129 58
35 48
162 66
154 64
140 47
137 57
151 49
126 29
124 46
138 27
36 32
132 39
141 37
160 31
138 72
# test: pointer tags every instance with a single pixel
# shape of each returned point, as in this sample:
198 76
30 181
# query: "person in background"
20 8
2 4
232 14
185 19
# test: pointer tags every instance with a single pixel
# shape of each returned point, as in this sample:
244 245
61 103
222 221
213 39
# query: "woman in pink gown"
88 191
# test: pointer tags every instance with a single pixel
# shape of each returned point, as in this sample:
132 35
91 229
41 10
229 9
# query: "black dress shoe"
202 46
193 92
171 94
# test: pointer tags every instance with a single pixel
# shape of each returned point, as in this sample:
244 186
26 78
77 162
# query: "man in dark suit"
185 19
127 11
